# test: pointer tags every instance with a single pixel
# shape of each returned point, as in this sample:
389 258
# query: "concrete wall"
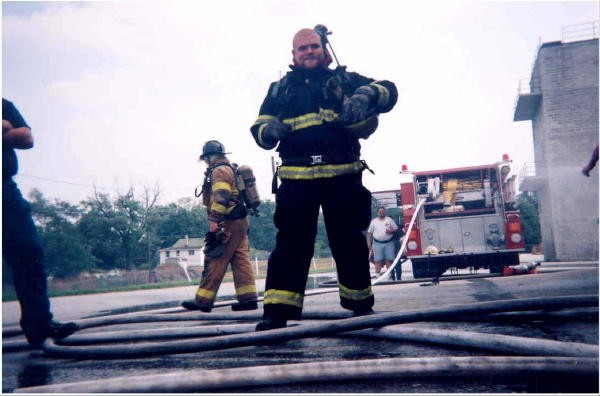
565 131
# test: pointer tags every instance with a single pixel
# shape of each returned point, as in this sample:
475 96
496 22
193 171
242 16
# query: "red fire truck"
466 218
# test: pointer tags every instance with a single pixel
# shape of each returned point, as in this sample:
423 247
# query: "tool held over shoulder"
358 115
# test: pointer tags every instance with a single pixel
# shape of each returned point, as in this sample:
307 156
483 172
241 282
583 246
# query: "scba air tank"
247 186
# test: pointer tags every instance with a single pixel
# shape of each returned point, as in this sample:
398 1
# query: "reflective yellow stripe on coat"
318 171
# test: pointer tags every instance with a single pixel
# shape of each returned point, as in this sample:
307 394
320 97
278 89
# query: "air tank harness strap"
366 166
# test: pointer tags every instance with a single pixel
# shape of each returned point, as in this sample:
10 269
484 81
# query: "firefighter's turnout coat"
221 197
321 168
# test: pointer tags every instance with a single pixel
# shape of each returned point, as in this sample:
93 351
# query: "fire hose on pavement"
558 357
347 370
312 329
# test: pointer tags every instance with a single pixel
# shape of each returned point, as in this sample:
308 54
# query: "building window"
177 253
190 252
168 254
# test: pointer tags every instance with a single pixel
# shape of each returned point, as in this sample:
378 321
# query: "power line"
86 185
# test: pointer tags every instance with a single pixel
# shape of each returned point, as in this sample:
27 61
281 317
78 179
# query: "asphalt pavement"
33 370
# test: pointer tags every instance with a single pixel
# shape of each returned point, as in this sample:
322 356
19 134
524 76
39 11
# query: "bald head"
307 50
303 34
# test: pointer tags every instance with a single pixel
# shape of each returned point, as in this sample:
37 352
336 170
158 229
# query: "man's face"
381 212
308 52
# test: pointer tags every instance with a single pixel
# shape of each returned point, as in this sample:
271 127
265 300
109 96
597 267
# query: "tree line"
126 231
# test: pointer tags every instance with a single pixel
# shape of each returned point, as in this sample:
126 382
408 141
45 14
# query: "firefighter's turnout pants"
346 206
237 253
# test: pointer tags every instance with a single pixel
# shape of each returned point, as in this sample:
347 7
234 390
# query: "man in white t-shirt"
380 239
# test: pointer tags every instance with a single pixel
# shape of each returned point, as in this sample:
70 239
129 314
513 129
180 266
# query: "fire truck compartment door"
472 233
464 235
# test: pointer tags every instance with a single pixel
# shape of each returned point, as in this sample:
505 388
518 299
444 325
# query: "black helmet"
212 147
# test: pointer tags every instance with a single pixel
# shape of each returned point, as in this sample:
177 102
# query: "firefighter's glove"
210 241
358 107
213 244
274 132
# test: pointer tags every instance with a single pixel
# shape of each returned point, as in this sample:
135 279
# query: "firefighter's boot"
271 324
363 312
244 306
193 306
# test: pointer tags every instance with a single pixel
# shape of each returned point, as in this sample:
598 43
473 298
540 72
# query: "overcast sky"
125 93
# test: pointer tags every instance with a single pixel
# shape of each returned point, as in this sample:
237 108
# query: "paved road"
77 307
27 368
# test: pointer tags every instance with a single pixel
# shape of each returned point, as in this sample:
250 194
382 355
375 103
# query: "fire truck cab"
468 219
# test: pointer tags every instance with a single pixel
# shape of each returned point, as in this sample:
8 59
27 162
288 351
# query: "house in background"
561 100
185 252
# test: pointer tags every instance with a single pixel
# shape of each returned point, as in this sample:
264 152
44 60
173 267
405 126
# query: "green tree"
66 253
262 230
96 227
175 220
528 206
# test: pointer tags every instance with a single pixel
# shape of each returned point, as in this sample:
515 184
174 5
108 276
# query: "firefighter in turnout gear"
315 116
227 239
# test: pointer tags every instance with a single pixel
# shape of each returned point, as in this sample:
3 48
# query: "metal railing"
580 31
528 171
570 33
524 86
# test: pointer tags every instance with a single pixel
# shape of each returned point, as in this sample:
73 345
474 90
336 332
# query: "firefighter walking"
316 115
227 239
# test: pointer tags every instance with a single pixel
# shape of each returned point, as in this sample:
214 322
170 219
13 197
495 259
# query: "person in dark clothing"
316 115
21 245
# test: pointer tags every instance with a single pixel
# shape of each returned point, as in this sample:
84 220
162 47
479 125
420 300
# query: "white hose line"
182 315
185 315
312 330
201 380
511 345
156 334
403 246
21 344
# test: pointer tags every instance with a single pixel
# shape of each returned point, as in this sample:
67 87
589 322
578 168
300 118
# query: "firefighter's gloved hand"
210 241
274 131
213 244
359 106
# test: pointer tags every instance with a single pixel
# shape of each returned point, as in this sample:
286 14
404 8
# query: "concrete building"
561 101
